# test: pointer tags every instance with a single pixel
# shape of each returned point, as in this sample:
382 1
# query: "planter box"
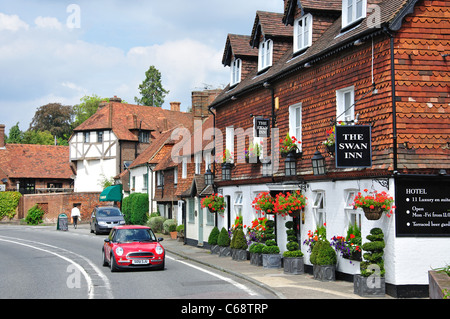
438 281
215 249
239 254
293 265
224 252
271 260
256 259
324 272
371 286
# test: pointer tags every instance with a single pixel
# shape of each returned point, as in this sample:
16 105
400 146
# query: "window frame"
347 20
295 129
354 215
236 71
319 211
300 32
342 108
184 167
265 54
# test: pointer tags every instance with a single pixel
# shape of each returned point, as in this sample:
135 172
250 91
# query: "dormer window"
236 68
265 54
353 11
302 33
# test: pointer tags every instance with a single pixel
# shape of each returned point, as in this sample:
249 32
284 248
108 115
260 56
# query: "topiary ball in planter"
239 245
212 240
323 257
271 255
224 242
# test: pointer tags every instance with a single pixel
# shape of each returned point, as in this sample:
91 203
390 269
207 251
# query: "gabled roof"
238 46
291 7
122 118
269 25
35 161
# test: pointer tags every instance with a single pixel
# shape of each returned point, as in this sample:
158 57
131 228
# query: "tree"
55 118
87 107
15 135
151 89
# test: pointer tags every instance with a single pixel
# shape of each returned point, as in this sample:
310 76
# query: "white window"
353 11
295 122
345 108
175 176
354 215
302 32
145 181
207 159
238 204
160 178
198 163
184 168
229 146
265 54
87 137
319 208
236 67
99 136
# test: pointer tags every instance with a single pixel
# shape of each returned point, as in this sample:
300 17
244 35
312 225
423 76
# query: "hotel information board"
423 207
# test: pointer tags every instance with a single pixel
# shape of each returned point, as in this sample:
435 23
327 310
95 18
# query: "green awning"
111 194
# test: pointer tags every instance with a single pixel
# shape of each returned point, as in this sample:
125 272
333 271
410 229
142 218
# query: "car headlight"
159 250
119 251
102 223
122 222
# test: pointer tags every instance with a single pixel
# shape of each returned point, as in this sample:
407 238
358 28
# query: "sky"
56 51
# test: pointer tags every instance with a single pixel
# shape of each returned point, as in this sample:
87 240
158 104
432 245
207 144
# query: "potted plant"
271 255
330 142
173 231
371 281
253 153
256 254
439 279
215 203
292 258
263 203
289 204
212 240
180 231
374 204
289 145
313 237
224 242
239 245
323 257
349 247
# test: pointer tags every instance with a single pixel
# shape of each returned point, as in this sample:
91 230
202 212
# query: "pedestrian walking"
75 215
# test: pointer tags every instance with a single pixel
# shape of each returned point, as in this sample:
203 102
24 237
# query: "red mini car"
131 247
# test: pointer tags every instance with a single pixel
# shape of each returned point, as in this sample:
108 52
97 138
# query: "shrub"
126 208
292 245
292 254
156 223
172 228
271 250
223 240
180 228
139 208
323 254
8 204
213 236
167 223
374 255
256 248
35 215
239 240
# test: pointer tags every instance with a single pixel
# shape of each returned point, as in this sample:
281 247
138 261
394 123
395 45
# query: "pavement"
283 286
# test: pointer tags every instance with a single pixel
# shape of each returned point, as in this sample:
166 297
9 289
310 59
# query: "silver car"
104 218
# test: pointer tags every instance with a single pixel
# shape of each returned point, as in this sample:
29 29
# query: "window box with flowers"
290 145
253 153
331 139
350 246
289 204
215 203
374 204
263 203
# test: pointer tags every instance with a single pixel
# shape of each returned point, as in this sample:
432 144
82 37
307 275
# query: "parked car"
104 218
132 247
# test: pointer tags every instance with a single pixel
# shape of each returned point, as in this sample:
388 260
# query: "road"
41 262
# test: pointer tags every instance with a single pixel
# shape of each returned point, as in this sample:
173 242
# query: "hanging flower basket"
215 203
289 204
289 145
264 203
374 204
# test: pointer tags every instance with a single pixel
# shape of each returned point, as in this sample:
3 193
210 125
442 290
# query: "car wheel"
105 262
96 229
90 226
112 263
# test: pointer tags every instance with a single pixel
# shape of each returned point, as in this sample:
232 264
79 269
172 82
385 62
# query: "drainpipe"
214 155
394 105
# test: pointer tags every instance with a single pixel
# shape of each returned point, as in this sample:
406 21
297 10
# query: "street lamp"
290 165
226 171
318 164
209 177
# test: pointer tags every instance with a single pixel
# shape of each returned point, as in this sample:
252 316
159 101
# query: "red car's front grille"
141 254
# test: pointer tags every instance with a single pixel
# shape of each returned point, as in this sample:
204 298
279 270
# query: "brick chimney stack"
175 106
2 135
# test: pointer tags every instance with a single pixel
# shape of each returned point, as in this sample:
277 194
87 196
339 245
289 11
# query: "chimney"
175 106
2 136
200 102
115 99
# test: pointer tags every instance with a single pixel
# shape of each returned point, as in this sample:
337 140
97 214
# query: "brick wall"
55 204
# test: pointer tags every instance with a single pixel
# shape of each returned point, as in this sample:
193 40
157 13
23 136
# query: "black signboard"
262 127
422 206
353 146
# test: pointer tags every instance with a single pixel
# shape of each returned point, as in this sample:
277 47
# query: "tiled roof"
122 118
239 47
35 161
270 25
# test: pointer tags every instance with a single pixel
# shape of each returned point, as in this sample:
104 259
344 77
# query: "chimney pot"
175 106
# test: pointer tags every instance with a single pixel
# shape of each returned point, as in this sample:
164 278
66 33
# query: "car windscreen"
132 235
109 212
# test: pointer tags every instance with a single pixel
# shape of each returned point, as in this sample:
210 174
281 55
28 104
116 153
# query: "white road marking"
231 281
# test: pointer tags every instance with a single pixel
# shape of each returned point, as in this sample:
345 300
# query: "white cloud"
48 22
11 23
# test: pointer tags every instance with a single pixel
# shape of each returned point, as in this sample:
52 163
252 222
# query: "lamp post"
209 177
318 164
290 165
226 171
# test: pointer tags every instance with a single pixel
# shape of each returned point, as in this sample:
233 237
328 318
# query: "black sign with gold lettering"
262 127
422 206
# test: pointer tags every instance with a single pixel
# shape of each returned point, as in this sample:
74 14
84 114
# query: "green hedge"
135 208
34 215
8 204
